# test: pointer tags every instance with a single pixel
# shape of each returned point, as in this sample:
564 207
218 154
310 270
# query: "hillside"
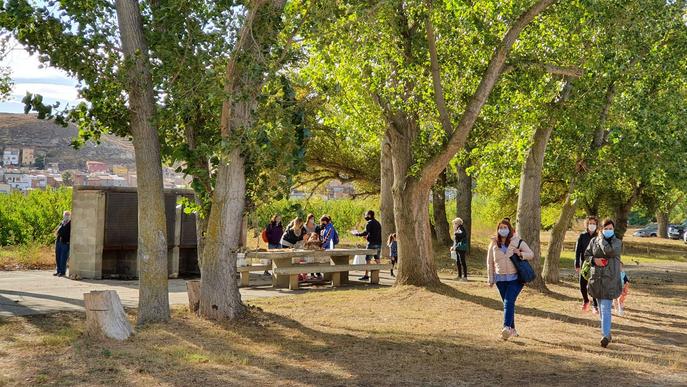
53 141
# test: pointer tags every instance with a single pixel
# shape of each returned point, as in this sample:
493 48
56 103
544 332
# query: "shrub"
32 217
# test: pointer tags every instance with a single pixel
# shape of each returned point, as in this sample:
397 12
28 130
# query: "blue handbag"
525 272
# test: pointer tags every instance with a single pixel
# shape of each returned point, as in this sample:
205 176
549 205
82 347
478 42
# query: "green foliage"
346 214
32 217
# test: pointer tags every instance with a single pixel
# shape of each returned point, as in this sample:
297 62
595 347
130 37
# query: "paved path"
39 292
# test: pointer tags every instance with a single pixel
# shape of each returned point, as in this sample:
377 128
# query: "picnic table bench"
335 262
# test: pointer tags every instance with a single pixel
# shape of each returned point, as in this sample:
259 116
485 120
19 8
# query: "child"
620 301
393 251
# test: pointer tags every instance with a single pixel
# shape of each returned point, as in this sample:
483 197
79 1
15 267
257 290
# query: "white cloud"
28 74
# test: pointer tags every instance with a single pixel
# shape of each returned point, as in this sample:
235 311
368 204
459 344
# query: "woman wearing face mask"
503 273
604 277
582 243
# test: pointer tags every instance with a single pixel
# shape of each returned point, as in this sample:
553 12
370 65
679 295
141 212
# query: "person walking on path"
393 251
63 234
373 234
502 272
583 240
460 247
604 278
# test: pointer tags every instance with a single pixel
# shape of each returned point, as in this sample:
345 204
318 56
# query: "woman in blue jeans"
503 273
604 278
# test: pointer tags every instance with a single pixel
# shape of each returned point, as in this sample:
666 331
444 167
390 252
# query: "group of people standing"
597 261
324 236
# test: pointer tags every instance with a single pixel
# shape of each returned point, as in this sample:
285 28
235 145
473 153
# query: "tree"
413 106
153 299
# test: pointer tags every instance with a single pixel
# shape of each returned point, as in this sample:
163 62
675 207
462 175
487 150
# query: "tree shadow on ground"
272 348
656 335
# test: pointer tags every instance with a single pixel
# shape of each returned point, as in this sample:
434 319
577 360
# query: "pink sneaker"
595 310
585 307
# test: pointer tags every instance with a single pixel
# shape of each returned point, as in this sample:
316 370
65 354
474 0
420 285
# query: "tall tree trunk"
411 194
551 269
464 201
662 218
386 198
441 227
529 200
411 203
220 297
153 302
622 212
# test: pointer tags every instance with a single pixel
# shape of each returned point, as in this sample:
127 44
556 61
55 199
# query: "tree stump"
193 289
105 315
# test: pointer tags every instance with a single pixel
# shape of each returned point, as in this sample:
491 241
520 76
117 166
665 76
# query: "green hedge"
32 217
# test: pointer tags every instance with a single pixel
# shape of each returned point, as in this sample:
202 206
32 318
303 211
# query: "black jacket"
290 238
460 235
373 232
64 232
582 243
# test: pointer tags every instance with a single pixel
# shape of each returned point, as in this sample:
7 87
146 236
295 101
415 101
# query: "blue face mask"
608 233
504 232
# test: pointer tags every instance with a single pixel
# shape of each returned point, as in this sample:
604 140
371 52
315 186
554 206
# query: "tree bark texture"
464 201
662 219
386 198
105 316
622 212
529 200
411 212
551 270
153 302
220 297
441 225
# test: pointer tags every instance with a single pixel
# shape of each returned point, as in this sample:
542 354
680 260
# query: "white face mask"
504 232
591 227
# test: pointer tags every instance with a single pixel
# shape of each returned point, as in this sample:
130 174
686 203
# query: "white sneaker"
514 333
505 333
621 310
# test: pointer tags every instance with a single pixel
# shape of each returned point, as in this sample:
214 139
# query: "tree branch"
436 77
457 140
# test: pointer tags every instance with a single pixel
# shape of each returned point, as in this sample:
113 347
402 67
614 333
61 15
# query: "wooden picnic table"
337 262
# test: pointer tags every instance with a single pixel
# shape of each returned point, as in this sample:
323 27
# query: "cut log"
193 289
105 315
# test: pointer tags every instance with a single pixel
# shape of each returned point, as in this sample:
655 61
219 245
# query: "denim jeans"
274 246
509 291
605 314
61 257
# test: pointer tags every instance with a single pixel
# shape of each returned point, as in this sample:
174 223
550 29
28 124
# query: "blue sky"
29 75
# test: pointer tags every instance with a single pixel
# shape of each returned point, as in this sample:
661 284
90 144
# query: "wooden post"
374 276
245 279
193 289
336 279
293 282
105 315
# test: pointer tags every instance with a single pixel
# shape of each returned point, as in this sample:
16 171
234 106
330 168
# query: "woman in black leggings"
460 247
582 243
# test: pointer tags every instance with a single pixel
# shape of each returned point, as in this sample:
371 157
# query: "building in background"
10 156
97 166
27 157
120 170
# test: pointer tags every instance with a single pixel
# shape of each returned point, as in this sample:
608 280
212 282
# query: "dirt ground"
400 336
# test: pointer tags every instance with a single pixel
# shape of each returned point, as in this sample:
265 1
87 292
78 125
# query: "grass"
27 257
372 336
